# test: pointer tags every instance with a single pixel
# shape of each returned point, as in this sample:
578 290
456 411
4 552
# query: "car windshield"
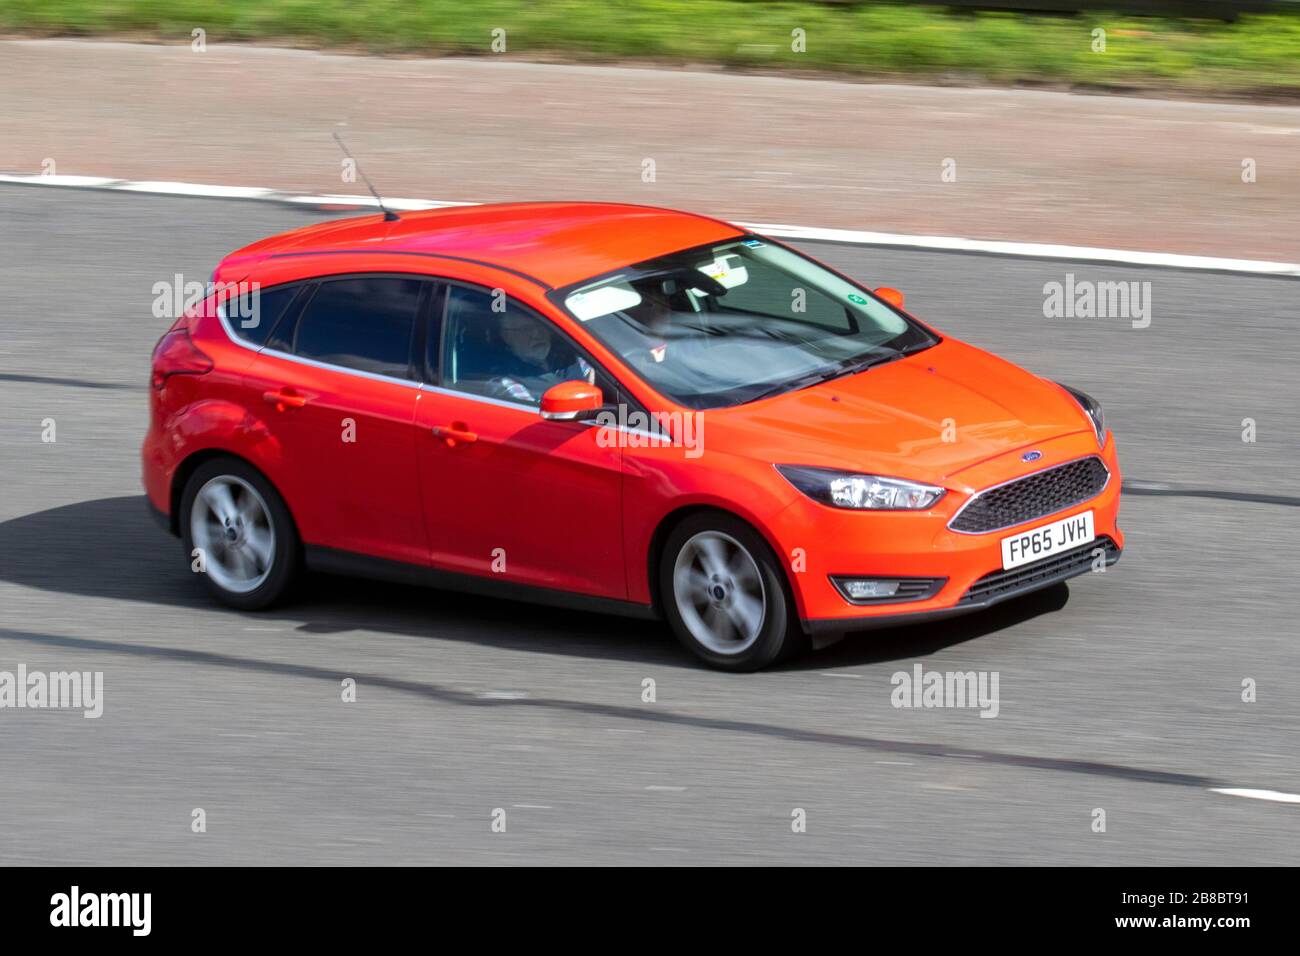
732 322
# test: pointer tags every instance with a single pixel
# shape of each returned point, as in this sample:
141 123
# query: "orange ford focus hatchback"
618 408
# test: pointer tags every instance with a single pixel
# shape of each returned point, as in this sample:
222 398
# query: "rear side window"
253 314
365 324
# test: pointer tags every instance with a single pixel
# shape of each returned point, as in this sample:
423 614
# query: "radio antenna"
389 215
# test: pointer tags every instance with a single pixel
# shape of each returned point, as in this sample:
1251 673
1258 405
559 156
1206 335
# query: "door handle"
456 431
285 399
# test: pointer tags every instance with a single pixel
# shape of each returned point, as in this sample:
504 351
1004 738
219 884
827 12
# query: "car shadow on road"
110 548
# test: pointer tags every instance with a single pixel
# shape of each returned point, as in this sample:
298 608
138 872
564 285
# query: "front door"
507 493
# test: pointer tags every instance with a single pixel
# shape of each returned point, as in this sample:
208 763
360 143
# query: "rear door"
338 394
508 494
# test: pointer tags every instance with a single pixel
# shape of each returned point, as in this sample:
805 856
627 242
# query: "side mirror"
568 400
892 296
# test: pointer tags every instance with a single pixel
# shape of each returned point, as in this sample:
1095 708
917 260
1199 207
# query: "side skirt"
350 564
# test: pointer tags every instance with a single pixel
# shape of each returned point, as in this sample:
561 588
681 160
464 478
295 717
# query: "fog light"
886 590
866 589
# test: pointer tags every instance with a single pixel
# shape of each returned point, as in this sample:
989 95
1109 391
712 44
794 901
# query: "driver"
533 360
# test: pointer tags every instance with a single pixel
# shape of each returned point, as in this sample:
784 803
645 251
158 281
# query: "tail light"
176 354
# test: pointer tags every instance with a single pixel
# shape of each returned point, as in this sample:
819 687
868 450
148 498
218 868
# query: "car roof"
556 243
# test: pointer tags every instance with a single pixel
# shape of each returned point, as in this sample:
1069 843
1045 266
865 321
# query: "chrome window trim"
373 376
1011 481
230 333
360 373
419 386
313 363
485 399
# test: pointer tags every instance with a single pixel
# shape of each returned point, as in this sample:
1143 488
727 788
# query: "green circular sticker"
854 297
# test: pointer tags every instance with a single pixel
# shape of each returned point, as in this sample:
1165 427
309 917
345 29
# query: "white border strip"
1276 796
1030 250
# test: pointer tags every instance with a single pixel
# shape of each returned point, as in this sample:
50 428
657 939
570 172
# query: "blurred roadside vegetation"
1255 55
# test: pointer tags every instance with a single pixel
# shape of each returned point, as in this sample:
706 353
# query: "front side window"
736 321
497 349
363 323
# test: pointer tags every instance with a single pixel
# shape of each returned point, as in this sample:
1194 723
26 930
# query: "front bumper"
831 542
993 588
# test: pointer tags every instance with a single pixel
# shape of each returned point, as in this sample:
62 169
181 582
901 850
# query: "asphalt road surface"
1121 692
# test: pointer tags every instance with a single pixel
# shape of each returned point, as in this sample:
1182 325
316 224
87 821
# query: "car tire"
725 596
250 548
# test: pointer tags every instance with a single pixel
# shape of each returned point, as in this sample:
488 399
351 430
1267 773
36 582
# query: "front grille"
1025 499
1000 584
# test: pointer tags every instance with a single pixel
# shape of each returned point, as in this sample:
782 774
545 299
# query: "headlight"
1093 408
846 489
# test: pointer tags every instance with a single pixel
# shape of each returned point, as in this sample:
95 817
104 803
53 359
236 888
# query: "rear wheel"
724 594
236 525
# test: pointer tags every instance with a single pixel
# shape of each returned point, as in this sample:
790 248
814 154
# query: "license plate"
1050 539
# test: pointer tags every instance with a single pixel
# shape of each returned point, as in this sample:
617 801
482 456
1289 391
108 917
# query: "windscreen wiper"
848 367
854 366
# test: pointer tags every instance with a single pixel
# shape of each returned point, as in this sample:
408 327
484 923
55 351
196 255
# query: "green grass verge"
1254 55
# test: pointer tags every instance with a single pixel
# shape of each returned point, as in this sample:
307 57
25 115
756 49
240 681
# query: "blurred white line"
1031 250
84 182
195 189
1276 796
530 806
670 789
1148 486
833 674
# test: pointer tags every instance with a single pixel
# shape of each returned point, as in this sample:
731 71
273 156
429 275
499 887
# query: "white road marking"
196 189
1031 250
1147 486
530 806
83 182
668 789
1276 796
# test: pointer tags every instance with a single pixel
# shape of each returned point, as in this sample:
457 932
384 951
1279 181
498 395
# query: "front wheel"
238 533
725 596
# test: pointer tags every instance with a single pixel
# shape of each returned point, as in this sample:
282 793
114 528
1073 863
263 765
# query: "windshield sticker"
726 273
854 297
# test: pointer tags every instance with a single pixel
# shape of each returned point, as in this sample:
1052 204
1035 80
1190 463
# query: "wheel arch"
192 463
672 519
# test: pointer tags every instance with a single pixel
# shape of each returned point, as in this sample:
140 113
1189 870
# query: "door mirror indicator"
568 400
892 296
